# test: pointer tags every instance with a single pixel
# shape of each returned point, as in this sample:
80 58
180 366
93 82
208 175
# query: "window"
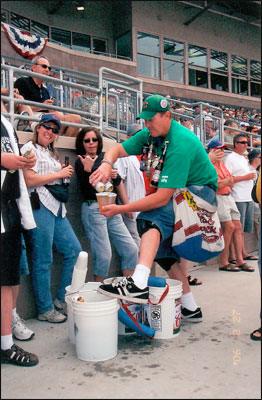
219 69
173 63
239 65
99 46
197 60
148 63
39 29
239 75
61 36
256 89
148 44
4 16
255 74
81 42
198 78
255 69
20 22
124 46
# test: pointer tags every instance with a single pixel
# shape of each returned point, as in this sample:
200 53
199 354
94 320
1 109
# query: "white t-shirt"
129 170
238 165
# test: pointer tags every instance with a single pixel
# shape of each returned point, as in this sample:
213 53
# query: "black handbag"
59 192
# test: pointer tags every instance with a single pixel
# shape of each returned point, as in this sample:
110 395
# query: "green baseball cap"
152 105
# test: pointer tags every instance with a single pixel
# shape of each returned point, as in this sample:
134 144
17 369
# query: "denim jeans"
58 231
100 231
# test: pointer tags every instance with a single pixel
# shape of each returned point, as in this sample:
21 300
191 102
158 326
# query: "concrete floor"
197 364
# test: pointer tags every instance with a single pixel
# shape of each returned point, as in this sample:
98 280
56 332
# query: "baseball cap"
50 118
152 105
133 129
253 154
208 118
215 144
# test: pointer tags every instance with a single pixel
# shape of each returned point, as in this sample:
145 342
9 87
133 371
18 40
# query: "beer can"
100 187
108 186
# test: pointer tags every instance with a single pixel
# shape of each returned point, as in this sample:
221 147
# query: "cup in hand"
112 198
105 198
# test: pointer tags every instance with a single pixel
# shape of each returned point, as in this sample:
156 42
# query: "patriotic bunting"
26 44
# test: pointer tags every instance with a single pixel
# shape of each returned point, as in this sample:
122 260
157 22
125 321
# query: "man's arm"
158 199
102 173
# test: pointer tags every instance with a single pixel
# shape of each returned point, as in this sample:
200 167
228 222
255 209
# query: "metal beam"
197 15
193 4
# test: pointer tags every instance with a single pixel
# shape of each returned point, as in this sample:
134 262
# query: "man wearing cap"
227 210
186 164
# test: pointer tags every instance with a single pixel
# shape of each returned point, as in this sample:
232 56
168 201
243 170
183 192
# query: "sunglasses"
243 142
48 128
45 66
94 140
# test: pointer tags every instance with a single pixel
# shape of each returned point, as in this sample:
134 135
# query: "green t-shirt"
186 161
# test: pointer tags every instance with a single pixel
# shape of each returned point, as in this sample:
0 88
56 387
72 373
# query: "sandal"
251 258
16 355
232 261
253 334
193 281
247 268
229 268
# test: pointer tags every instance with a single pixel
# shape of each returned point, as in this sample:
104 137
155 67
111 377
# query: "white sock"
7 341
188 301
140 276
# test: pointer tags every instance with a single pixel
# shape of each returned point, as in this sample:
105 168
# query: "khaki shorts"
227 209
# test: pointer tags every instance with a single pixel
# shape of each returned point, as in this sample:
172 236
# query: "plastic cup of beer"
112 198
102 199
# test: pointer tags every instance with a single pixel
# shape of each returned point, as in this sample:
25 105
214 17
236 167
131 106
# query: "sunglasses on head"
243 142
48 128
94 140
45 66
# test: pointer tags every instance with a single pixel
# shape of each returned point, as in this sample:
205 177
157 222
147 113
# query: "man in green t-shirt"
186 164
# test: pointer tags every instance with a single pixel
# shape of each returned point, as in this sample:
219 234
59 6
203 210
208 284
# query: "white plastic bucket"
89 286
164 317
95 326
134 309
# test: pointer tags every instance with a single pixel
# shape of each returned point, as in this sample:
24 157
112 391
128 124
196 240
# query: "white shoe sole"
119 296
24 339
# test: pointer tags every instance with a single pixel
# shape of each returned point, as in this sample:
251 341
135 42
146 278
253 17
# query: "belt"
89 202
225 194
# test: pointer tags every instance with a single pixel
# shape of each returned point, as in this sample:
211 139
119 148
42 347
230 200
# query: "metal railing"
123 92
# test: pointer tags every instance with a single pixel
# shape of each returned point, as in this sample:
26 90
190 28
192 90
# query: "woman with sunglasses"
100 230
53 226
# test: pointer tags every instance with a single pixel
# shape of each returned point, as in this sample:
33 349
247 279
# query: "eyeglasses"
45 66
243 142
48 128
94 140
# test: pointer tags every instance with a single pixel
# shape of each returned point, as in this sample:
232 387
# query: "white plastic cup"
79 272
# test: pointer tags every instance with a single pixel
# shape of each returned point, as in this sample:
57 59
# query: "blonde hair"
51 146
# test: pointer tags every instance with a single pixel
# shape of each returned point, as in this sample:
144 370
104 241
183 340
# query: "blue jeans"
100 231
58 231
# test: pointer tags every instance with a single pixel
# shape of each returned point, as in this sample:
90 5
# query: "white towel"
24 205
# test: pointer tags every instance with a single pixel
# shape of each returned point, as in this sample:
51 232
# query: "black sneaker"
18 356
126 290
191 316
